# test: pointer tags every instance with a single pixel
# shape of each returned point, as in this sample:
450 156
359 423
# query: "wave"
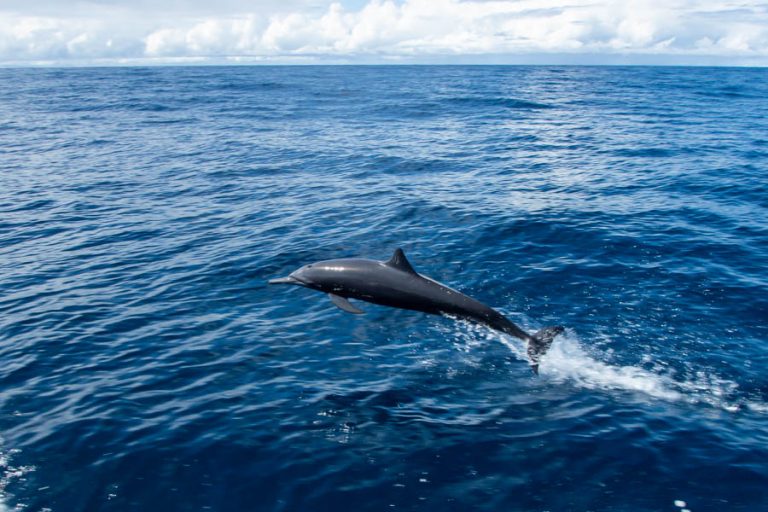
504 102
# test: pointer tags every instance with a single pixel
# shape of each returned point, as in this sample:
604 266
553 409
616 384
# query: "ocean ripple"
146 365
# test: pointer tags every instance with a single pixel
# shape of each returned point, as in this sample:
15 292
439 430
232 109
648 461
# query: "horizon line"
229 62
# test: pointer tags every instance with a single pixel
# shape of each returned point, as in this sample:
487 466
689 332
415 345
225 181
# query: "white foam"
568 361
8 473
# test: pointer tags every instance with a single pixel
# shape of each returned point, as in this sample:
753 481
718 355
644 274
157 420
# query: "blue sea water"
145 365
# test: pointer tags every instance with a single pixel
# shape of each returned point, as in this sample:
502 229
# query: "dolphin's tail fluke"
539 343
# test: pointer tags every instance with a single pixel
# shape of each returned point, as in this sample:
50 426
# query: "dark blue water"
146 366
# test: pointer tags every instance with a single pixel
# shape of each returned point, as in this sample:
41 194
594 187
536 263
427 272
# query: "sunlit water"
146 365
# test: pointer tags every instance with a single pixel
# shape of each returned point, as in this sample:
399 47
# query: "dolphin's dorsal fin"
400 262
344 304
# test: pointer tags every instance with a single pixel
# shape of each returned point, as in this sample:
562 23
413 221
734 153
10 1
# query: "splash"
569 362
9 473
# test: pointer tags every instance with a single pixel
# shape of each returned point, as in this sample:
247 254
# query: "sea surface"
145 365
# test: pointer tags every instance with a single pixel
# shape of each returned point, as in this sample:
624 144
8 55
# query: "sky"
127 32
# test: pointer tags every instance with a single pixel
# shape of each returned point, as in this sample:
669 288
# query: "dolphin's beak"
284 280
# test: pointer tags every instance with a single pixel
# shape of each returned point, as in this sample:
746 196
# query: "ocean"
145 365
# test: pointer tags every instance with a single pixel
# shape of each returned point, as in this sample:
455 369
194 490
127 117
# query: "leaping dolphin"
396 284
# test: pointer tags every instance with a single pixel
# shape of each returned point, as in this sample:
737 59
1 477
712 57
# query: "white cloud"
379 30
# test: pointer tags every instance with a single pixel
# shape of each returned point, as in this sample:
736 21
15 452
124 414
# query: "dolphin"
396 284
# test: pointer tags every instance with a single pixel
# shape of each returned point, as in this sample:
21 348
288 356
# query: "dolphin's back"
394 286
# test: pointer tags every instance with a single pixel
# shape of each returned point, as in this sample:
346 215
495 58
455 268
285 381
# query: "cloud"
107 31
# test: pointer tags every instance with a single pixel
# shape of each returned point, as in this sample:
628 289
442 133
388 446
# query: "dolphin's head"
330 276
310 276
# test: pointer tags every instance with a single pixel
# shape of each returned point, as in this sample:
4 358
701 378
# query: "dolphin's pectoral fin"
400 262
344 304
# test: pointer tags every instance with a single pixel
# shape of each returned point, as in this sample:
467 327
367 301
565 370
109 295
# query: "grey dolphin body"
396 284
